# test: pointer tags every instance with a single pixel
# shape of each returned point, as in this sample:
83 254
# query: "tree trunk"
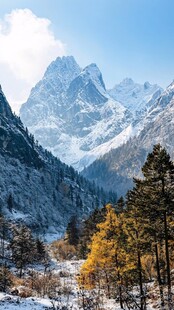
167 262
142 297
120 296
158 273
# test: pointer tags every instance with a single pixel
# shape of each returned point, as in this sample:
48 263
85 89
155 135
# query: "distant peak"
127 81
147 85
65 59
92 68
0 88
93 72
62 64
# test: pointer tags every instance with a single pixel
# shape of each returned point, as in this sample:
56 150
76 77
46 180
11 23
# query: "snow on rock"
134 96
71 113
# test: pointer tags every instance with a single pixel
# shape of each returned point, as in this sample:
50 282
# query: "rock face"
119 166
71 113
136 97
37 188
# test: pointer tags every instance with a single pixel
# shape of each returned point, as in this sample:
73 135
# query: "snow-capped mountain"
136 97
71 113
119 166
37 188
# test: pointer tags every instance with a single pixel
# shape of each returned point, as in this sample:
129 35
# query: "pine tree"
3 236
5 278
88 229
157 195
136 228
23 247
72 231
120 205
40 250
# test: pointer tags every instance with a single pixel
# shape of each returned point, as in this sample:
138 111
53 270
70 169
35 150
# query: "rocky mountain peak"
134 96
165 98
127 81
71 113
62 65
64 70
93 73
147 85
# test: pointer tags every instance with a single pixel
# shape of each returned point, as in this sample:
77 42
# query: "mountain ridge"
78 122
126 161
44 192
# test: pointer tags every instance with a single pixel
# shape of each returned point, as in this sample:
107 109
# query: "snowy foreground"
71 299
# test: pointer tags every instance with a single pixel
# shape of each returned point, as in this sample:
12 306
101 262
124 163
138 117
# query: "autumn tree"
105 264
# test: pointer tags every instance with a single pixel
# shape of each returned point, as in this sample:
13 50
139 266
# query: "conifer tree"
88 229
138 242
5 278
157 196
72 231
40 250
23 247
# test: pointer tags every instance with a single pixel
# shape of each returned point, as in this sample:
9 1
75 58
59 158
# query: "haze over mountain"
36 188
71 113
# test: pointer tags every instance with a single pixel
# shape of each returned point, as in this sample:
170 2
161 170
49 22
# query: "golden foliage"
107 261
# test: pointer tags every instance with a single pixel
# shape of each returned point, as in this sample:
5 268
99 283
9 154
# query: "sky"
125 38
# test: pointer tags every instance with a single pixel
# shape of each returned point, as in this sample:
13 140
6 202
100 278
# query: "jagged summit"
93 72
72 114
63 68
136 97
147 85
87 87
65 62
126 81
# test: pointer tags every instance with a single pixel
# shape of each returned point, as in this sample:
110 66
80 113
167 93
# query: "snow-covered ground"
69 299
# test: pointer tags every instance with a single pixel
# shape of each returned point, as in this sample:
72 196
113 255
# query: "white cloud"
27 46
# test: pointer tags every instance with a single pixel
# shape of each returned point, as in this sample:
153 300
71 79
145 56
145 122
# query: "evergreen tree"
138 241
23 247
72 231
40 250
10 202
88 229
5 278
157 194
3 236
120 205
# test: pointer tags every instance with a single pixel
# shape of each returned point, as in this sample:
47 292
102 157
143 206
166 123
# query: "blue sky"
126 38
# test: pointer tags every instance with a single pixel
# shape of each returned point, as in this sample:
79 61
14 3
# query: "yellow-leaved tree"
108 262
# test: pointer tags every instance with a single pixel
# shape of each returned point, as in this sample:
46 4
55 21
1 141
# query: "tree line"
133 242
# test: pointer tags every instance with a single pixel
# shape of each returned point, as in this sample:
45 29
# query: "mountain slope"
126 161
71 113
36 187
136 97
